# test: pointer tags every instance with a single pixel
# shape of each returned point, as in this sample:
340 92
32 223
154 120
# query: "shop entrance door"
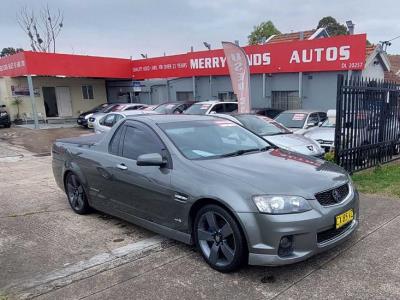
64 104
50 102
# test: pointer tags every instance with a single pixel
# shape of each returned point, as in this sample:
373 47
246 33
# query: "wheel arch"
196 206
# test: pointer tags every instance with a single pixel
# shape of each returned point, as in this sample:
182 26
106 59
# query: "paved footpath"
48 252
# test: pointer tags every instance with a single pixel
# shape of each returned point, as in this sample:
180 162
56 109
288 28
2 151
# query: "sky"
122 28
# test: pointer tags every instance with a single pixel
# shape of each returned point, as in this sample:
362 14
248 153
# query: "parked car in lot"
114 108
105 123
173 107
211 107
300 120
276 133
325 133
267 112
210 182
83 117
5 120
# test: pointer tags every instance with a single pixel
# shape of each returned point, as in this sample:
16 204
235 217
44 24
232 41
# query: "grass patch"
382 180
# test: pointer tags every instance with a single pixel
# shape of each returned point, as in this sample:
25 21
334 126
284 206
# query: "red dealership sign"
345 52
55 64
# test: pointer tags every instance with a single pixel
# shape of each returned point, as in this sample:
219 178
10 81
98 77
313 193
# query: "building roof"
296 36
394 73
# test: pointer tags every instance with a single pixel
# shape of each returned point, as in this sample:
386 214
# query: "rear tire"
219 239
76 194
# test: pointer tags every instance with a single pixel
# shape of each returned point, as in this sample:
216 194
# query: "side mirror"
309 125
151 159
320 124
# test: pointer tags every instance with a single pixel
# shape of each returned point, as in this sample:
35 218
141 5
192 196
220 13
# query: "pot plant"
17 102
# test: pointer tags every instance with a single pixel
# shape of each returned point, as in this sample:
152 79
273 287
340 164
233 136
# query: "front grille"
333 196
330 234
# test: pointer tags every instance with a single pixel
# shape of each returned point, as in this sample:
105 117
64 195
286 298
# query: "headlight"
88 116
279 204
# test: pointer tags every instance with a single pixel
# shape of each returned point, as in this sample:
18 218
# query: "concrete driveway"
48 252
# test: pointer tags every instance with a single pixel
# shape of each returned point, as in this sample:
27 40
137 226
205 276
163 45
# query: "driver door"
143 191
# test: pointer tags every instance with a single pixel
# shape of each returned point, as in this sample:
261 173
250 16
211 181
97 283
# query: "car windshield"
261 125
99 108
198 109
165 108
207 139
111 108
292 120
331 123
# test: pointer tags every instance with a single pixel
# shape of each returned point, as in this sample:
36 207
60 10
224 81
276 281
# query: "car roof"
302 111
161 118
214 102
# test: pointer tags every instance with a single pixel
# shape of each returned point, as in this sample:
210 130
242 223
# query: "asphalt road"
48 252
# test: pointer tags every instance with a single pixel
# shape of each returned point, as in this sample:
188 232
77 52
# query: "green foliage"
384 180
262 31
17 102
10 51
330 156
332 26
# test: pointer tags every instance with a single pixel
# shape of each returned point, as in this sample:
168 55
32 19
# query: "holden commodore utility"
210 182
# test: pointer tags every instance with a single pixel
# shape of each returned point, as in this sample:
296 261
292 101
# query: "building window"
285 100
227 96
87 92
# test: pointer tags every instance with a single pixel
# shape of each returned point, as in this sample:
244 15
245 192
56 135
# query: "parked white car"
211 107
119 107
106 122
276 133
300 120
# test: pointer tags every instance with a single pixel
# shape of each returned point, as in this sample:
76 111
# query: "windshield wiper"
243 151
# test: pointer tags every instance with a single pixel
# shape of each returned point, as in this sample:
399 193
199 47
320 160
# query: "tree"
332 26
262 31
10 51
42 29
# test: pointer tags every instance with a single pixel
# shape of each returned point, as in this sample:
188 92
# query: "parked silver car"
105 123
325 133
299 120
276 133
114 108
211 107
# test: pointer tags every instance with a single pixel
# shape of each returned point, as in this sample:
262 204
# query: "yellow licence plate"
344 218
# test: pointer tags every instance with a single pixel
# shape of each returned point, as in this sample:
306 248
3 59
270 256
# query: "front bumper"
82 121
5 120
308 230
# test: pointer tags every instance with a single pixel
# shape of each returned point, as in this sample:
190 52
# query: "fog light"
286 246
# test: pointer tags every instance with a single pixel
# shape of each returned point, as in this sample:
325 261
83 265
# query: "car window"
322 116
198 109
108 120
292 120
218 108
313 119
230 107
115 141
261 125
136 107
138 141
117 118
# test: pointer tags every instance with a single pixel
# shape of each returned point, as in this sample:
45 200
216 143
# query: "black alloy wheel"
219 239
76 194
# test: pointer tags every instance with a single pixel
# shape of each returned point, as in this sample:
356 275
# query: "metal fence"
367 123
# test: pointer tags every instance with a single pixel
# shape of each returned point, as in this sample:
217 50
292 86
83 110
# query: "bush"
330 156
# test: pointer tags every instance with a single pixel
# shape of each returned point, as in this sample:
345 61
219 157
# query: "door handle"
122 166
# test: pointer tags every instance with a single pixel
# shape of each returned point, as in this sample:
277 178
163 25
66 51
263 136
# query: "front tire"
219 239
76 194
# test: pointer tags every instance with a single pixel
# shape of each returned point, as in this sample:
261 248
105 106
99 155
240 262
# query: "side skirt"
157 228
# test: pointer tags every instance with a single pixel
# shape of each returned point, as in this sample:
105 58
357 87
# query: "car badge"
310 147
336 195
